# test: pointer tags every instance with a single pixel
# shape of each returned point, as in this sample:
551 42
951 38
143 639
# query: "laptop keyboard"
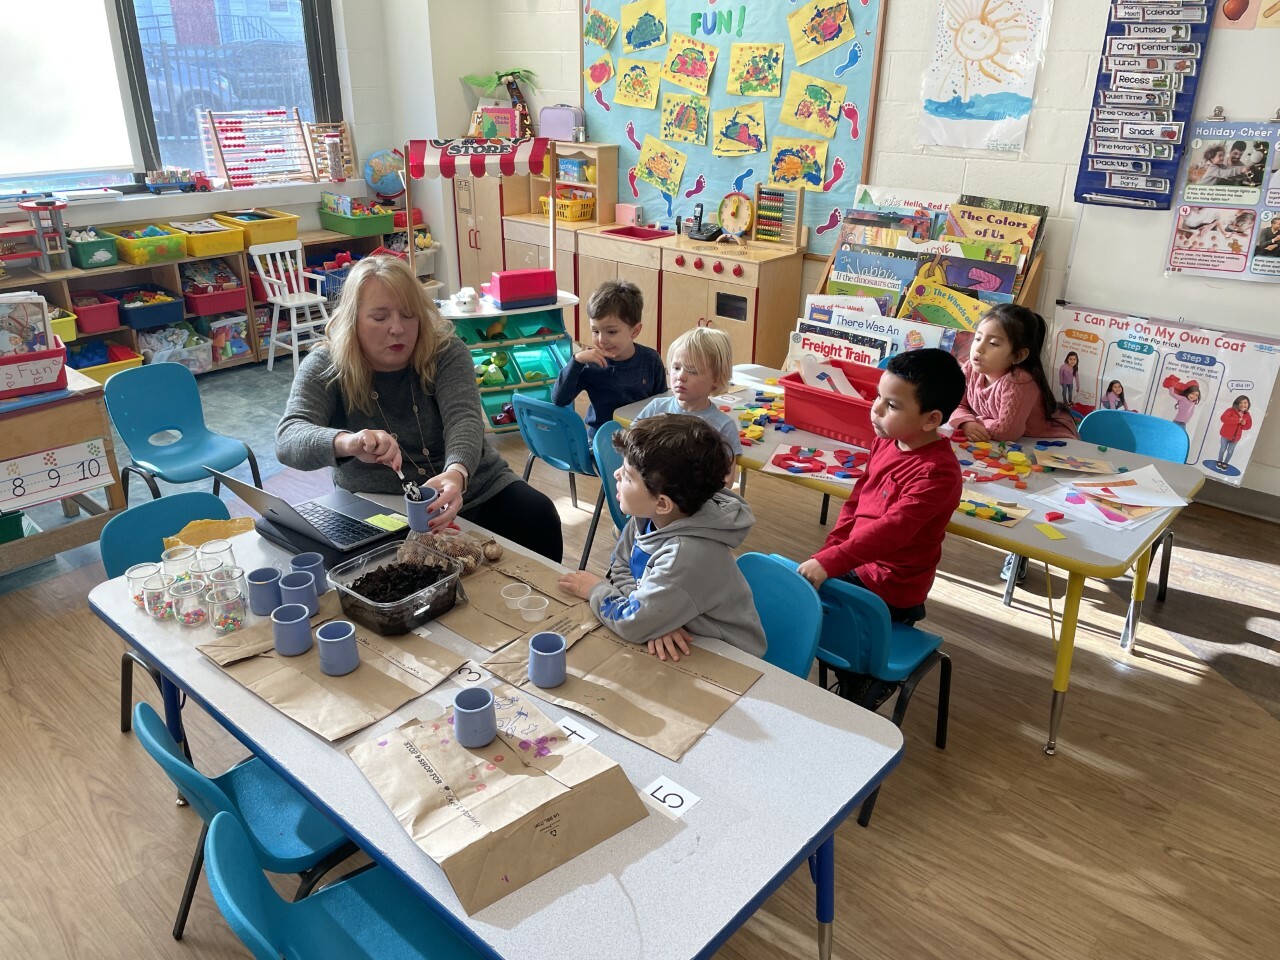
338 527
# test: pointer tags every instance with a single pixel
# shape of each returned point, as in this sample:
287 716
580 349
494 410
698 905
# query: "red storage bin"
223 301
517 289
401 219
830 414
36 372
96 319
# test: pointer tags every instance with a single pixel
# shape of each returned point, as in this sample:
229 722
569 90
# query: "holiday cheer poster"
1215 385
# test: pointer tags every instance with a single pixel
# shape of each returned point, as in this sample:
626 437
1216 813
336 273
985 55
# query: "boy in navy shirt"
614 370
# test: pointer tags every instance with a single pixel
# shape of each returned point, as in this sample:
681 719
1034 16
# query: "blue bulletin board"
705 97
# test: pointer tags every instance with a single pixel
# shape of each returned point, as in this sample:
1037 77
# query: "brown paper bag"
663 705
486 620
392 671
497 818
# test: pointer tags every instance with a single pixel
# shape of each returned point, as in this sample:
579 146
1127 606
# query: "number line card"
54 474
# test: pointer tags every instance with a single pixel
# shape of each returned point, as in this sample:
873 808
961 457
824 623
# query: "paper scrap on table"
1144 487
991 509
823 376
1108 513
1050 531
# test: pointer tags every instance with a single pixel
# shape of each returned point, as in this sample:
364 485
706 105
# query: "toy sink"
637 233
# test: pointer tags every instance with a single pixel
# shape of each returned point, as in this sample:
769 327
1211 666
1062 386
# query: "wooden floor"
1152 834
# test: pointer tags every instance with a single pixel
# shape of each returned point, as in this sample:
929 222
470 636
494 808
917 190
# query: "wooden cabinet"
479 205
689 302
593 271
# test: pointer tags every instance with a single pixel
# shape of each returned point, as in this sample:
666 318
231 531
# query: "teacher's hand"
369 446
449 486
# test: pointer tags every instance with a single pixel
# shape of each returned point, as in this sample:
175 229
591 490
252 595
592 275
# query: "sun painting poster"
797 164
637 83
977 88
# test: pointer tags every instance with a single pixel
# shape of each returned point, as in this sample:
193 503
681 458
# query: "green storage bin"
88 254
358 226
11 526
536 363
510 376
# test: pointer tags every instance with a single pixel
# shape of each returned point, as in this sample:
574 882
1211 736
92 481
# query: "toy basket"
88 254
35 372
570 209
834 415
146 316
64 327
171 245
333 282
269 227
96 319
230 239
367 226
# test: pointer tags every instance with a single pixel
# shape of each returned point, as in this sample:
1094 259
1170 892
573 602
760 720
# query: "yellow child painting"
689 63
660 165
685 118
812 104
819 26
637 83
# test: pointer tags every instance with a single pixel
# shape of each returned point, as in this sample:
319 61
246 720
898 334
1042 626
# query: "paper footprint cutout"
837 171
697 188
631 134
631 179
855 54
832 221
850 111
740 182
599 95
668 197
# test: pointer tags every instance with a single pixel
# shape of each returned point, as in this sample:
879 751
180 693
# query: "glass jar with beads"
177 561
229 576
203 568
189 606
136 576
228 611
218 550
155 593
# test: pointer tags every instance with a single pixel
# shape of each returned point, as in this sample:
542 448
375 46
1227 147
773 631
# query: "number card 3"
54 474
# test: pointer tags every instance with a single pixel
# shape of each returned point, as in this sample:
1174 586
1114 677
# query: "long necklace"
426 454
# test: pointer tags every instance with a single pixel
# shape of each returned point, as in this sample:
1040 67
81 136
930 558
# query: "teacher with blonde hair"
393 388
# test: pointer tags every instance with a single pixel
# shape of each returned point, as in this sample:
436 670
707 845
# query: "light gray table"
776 775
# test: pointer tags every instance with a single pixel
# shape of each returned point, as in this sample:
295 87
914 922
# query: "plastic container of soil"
397 587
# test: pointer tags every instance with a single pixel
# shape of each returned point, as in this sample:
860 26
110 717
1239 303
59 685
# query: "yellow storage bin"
102 372
569 209
147 250
229 240
65 327
270 226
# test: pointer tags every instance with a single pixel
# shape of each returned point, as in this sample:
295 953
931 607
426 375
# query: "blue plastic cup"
264 591
339 653
547 659
475 721
300 587
420 512
291 628
312 563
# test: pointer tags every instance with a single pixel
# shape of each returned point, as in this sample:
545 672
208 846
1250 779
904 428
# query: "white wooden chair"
280 265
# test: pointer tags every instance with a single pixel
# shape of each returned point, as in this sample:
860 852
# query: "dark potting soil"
396 581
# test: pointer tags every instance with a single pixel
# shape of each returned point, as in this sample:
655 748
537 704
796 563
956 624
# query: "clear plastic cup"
155 592
136 576
203 569
219 550
177 561
228 608
189 607
232 576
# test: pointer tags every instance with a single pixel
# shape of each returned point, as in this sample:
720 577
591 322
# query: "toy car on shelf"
158 181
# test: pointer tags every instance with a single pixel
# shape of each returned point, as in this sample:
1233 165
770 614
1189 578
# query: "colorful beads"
193 617
228 623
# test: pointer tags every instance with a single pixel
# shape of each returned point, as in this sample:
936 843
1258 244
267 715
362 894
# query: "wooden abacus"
317 134
253 147
779 216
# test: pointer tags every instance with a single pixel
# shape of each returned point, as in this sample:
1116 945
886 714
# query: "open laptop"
336 519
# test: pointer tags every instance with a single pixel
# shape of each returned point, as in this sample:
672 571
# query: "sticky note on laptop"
388 521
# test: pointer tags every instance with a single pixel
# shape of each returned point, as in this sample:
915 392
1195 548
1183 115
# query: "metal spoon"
411 489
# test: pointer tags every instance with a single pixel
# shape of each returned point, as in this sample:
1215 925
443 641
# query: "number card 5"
671 798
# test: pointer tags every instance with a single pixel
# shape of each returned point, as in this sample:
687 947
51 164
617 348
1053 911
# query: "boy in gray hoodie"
672 575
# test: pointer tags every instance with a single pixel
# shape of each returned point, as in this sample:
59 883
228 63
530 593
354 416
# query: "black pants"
522 514
863 689
907 615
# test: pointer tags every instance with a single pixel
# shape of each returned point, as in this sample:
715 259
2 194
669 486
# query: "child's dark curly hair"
679 455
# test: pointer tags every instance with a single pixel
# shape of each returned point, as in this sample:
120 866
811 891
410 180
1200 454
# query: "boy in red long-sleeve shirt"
889 535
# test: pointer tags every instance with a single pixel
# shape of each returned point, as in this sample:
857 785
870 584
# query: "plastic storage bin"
402 616
570 209
229 337
370 226
230 239
536 363
152 315
501 359
267 225
88 254
104 371
96 319
834 415
36 372
146 250
197 359
64 328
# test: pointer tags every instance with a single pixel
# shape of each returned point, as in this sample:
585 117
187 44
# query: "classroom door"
487 192
465 216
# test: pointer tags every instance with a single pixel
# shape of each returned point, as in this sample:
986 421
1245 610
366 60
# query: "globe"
382 173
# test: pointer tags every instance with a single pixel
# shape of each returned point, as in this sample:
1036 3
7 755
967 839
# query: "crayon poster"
1216 386
1227 208
749 92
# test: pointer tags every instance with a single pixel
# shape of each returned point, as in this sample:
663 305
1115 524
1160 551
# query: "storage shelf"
522 385
523 342
487 309
99 333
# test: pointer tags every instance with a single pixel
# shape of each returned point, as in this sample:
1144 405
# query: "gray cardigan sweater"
449 410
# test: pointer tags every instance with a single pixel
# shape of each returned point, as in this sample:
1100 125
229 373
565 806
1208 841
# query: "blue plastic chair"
1149 437
283 831
558 437
884 362
608 462
789 610
158 397
368 914
858 636
136 536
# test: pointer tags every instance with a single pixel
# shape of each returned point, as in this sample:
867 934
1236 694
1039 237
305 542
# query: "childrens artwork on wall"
644 25
797 163
738 131
598 74
1215 385
739 56
813 104
755 70
977 88
685 118
599 28
637 83
819 26
689 63
661 166
1227 221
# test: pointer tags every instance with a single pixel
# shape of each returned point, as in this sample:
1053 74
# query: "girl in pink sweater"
1007 395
